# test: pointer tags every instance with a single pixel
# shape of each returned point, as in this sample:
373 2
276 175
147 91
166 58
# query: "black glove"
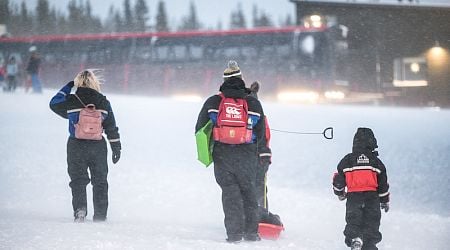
115 156
342 196
115 147
385 206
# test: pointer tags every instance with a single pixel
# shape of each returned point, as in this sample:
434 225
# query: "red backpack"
233 124
89 126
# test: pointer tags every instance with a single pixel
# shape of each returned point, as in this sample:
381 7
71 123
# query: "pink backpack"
89 126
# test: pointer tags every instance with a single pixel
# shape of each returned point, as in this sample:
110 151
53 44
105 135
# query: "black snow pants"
81 156
235 172
264 215
363 217
261 188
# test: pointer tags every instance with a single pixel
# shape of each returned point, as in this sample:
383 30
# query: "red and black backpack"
233 124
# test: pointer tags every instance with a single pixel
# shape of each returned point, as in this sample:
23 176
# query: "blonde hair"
88 79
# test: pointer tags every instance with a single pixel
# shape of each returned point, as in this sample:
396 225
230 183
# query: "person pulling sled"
239 145
270 225
265 216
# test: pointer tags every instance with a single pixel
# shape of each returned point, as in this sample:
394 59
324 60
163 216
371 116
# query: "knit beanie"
232 70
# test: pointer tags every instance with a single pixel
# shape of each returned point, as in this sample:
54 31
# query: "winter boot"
234 238
356 244
97 218
80 215
252 237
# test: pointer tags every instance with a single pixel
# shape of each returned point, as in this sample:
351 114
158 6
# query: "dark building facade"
378 34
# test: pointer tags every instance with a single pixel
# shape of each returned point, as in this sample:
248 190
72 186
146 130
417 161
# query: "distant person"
238 135
12 69
2 75
361 179
261 175
33 67
89 114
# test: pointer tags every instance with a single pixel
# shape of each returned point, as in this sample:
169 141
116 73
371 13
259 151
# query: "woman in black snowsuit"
82 153
235 164
361 179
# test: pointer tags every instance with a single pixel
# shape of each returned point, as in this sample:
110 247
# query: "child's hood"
364 140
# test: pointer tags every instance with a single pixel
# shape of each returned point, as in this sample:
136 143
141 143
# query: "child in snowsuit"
84 154
362 180
261 188
235 164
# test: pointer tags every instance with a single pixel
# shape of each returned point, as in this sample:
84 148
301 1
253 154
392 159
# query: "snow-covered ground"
162 198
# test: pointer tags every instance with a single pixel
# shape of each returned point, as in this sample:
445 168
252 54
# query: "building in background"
395 49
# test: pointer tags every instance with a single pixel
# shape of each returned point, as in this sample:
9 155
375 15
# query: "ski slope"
162 198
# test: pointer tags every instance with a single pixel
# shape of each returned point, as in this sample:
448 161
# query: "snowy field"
162 198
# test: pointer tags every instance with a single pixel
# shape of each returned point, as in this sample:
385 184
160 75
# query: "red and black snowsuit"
364 176
235 165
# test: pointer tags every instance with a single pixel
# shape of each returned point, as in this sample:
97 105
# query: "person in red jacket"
361 179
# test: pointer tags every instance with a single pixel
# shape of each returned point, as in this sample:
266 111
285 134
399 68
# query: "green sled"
204 144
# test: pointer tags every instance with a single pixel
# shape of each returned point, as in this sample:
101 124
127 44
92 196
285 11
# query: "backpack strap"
80 100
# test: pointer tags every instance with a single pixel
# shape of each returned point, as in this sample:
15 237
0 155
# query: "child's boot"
356 244
80 215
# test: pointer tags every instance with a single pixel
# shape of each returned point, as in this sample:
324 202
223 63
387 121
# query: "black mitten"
115 147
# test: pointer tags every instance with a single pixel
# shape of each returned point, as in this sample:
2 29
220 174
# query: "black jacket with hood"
362 170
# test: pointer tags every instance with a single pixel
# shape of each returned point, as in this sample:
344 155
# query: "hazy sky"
210 12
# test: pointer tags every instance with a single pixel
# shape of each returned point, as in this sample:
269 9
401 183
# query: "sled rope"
328 135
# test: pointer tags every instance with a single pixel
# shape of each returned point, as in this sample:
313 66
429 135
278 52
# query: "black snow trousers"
235 172
363 217
81 156
261 188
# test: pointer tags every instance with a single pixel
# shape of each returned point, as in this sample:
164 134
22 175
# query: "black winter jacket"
68 106
362 170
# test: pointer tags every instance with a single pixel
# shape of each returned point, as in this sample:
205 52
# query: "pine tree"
43 17
141 15
109 23
265 20
261 19
288 20
255 16
128 16
5 12
63 26
25 21
191 21
237 19
92 24
75 18
161 17
118 22
52 22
